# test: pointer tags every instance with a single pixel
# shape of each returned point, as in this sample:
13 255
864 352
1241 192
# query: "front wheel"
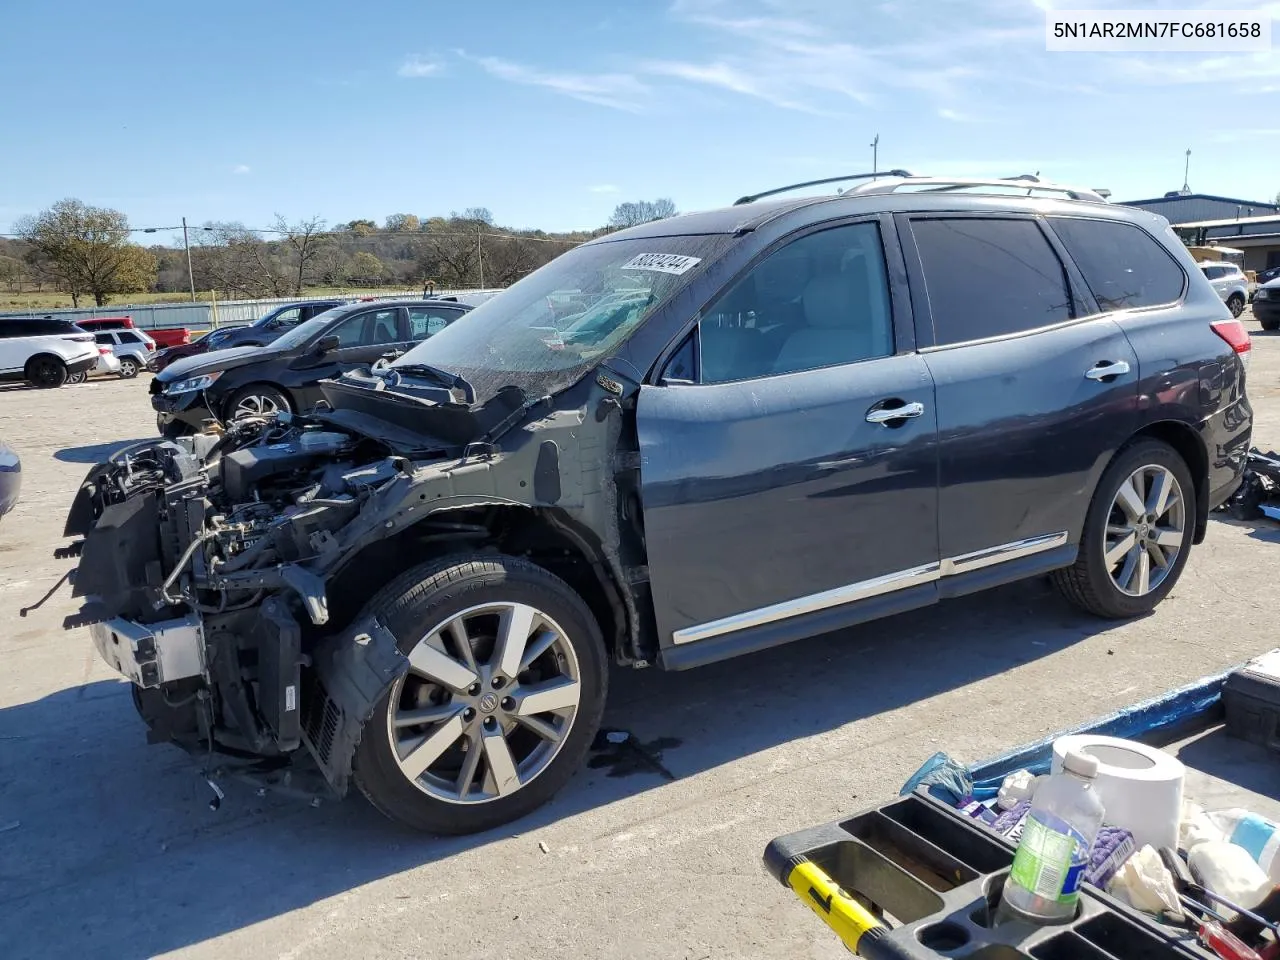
504 694
1235 303
1137 534
257 400
1272 323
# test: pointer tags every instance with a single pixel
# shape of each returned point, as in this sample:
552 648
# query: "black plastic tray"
935 877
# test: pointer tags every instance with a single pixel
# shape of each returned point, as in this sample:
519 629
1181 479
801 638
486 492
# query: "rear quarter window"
1124 266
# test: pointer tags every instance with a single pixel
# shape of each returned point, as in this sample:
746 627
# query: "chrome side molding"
866 589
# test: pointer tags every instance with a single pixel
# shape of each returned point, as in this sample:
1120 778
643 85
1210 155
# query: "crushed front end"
224 575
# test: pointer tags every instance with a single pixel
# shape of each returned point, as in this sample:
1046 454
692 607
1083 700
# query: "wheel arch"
547 537
1184 439
43 355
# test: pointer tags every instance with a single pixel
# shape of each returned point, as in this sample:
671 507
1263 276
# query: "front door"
1035 390
788 457
363 338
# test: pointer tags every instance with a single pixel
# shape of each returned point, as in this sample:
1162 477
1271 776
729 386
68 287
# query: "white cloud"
724 76
240 168
959 116
416 67
619 91
603 188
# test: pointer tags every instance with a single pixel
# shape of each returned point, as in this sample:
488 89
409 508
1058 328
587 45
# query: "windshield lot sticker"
662 263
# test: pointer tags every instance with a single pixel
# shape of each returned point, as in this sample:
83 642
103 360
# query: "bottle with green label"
1044 884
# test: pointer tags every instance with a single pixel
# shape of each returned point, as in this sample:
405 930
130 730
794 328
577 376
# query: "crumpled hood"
216 361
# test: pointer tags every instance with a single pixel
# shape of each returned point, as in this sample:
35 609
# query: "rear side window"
990 278
104 339
129 337
1123 265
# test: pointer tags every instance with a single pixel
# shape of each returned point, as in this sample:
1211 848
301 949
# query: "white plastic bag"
1146 884
1229 871
1017 786
1258 835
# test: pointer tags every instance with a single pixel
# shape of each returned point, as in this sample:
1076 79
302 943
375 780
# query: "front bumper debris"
152 654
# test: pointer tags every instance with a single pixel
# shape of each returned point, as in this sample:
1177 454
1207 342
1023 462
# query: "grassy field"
31 300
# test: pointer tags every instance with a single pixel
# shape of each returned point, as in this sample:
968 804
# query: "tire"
1271 323
256 399
1093 584
175 429
80 377
419 604
128 368
1235 303
46 372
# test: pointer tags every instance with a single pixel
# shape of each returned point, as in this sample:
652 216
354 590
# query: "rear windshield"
546 331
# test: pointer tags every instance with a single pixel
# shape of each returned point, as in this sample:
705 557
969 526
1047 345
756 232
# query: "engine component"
278 639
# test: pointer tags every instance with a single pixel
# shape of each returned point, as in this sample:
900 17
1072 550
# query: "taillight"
105 351
1236 336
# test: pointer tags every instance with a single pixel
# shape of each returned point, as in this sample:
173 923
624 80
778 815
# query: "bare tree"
304 240
642 211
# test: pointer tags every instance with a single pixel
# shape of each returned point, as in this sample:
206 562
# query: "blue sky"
551 113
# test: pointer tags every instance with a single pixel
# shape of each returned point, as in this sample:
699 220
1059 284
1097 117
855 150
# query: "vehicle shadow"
1259 528
95 452
109 849
1241 765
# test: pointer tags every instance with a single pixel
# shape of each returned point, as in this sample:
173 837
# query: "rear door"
788 453
12 354
427 321
1036 389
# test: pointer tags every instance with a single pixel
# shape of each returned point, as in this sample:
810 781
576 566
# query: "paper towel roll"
1140 787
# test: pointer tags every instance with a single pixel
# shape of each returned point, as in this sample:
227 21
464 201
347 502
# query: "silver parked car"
1230 282
133 348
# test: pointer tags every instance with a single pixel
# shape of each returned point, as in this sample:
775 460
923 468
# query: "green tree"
87 250
365 266
401 223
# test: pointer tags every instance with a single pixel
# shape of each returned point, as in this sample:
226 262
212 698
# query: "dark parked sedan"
10 478
277 322
228 384
212 340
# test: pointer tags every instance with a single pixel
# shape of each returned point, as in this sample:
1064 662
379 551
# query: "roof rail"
947 184
753 197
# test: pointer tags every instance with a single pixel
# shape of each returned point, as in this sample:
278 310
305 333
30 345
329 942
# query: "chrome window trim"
866 589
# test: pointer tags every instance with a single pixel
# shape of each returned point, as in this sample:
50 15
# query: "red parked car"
164 337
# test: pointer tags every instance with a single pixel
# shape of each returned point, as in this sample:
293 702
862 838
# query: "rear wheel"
257 400
46 372
80 377
505 691
1137 534
1235 303
128 368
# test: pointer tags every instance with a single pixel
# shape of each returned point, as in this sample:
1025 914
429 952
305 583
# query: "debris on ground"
1259 493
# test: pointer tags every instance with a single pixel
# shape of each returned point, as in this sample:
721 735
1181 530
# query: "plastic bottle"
1043 886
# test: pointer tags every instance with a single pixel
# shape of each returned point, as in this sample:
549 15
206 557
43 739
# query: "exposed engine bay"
223 573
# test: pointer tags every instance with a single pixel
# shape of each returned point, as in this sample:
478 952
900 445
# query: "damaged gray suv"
674 444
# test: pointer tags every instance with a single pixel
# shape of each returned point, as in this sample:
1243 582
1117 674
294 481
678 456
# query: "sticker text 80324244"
662 263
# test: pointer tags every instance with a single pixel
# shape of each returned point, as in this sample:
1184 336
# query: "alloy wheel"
488 702
1145 530
255 405
128 368
45 373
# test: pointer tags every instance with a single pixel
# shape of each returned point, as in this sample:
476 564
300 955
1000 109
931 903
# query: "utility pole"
875 147
1186 172
480 257
191 277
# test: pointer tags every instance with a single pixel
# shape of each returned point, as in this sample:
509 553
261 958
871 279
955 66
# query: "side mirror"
327 344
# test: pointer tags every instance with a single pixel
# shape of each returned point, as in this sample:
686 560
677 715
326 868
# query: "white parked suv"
44 351
133 348
1230 282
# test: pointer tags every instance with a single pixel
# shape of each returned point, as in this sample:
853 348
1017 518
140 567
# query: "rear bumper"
80 366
